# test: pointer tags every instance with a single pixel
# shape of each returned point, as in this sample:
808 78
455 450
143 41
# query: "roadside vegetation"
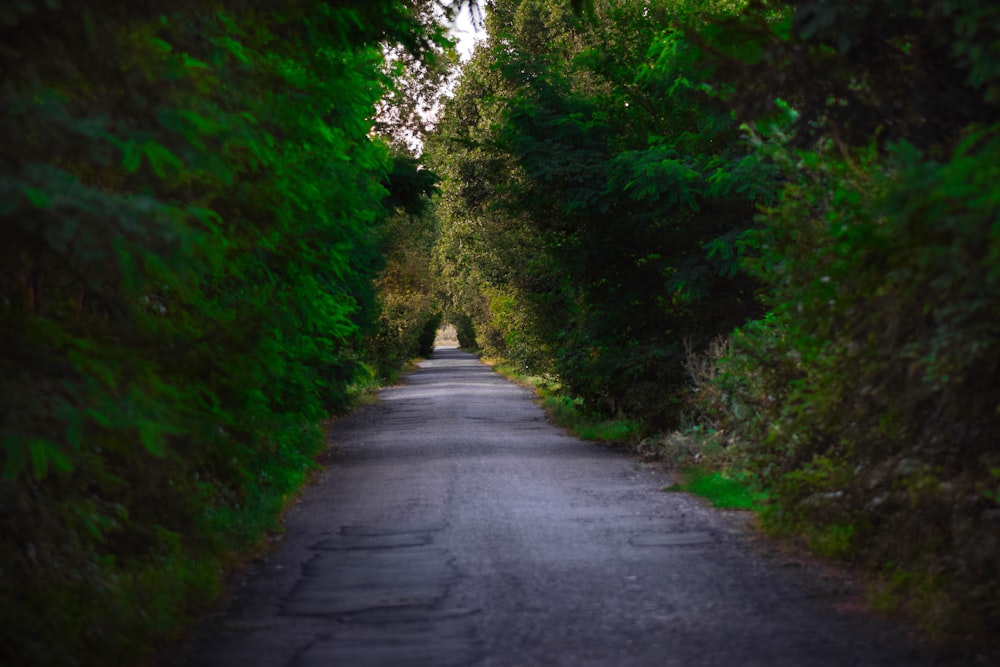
569 412
206 253
758 240
766 234
722 488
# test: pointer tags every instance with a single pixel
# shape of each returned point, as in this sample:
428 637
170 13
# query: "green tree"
194 215
409 311
879 359
596 197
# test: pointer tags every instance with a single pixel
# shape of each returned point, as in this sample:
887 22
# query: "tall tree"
192 209
599 196
870 394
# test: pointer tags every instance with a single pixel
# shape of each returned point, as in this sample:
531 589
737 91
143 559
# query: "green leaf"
43 453
161 159
152 438
161 45
233 47
194 63
132 157
37 198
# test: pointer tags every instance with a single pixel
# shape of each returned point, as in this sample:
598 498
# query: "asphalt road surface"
455 526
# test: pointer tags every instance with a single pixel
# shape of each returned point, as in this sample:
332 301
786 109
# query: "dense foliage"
592 202
408 313
604 218
774 224
869 401
194 217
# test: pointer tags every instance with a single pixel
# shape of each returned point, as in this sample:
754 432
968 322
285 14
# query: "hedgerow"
193 221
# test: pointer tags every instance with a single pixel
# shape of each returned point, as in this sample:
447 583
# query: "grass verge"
567 411
724 489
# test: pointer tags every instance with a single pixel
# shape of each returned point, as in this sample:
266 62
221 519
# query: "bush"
867 402
191 216
425 343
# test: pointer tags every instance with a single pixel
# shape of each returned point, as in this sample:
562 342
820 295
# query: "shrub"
867 402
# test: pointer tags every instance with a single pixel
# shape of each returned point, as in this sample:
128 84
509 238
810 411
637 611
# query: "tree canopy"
766 231
196 221
593 200
770 225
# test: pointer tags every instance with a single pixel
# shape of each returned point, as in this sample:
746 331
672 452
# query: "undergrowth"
725 490
569 412
206 251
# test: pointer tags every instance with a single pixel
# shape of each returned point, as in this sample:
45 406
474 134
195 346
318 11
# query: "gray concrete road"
455 526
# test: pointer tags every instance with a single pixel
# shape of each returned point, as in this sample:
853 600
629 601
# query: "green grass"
567 411
723 489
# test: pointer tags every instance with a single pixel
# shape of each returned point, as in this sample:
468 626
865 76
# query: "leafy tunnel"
763 233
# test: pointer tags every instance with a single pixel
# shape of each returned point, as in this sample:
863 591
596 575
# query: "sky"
466 34
467 37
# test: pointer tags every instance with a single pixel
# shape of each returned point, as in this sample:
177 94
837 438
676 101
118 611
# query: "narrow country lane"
456 527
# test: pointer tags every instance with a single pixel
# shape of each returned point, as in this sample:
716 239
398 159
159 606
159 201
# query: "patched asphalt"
456 526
